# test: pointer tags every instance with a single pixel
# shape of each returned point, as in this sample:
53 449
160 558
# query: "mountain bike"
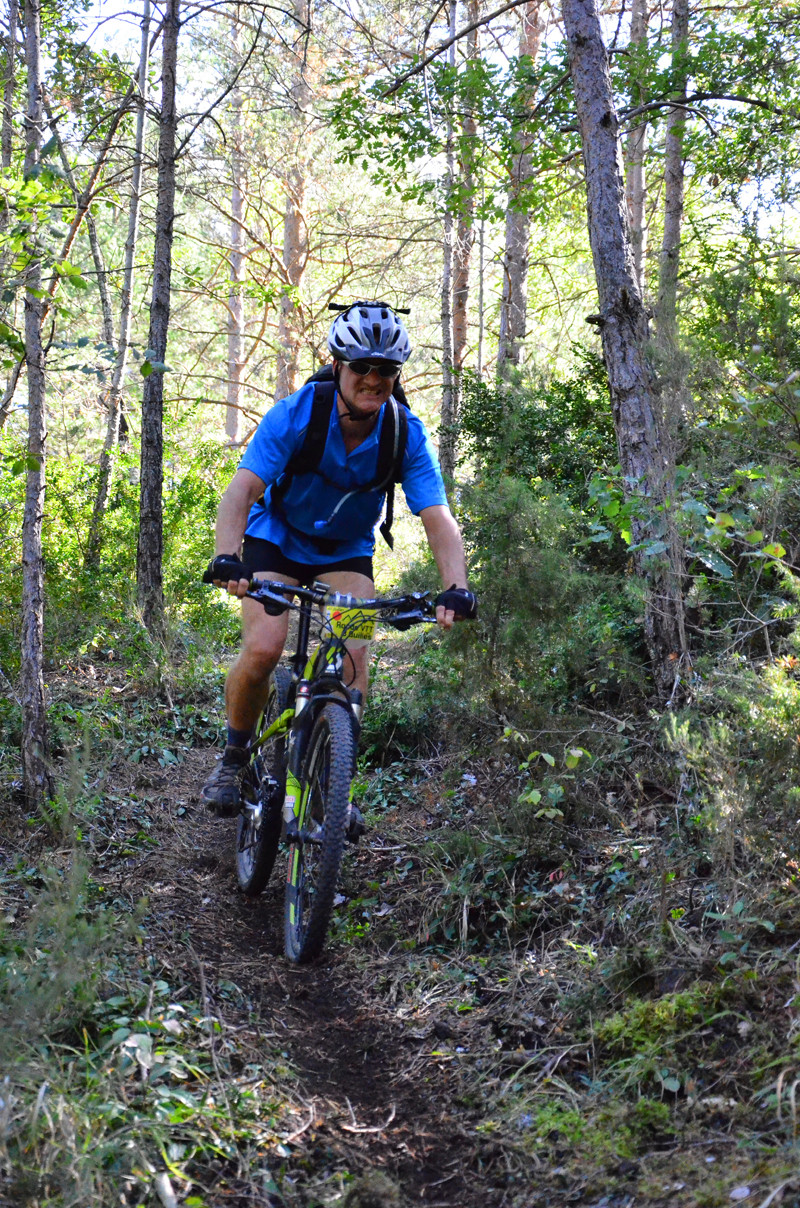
303 756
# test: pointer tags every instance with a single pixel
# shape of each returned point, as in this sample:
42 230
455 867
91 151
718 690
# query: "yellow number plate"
352 623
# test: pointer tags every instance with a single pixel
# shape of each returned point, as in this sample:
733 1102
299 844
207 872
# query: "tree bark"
447 424
645 457
465 231
514 299
9 86
636 146
37 781
115 394
448 415
295 232
6 154
481 288
669 263
149 580
233 410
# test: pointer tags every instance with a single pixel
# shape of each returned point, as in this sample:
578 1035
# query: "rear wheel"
259 827
314 863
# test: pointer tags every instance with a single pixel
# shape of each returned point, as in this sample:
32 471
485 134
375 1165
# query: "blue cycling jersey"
313 497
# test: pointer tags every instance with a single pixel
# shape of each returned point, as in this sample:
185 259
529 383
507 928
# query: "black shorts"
260 555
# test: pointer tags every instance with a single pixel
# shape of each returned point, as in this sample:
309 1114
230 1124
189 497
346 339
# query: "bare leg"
356 674
263 640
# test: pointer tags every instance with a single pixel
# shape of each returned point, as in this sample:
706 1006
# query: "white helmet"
369 329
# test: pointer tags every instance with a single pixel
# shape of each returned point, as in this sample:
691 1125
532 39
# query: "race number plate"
357 624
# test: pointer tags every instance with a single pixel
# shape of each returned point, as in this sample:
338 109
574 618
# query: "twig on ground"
312 1115
355 1127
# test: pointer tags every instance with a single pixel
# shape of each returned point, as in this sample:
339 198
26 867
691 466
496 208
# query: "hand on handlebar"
228 571
455 604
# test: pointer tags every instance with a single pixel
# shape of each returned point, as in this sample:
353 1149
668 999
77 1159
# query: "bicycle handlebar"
415 608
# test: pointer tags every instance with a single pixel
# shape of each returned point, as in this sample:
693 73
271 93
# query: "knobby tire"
314 868
257 845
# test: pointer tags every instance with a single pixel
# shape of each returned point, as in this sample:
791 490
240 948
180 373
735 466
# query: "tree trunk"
115 394
514 299
9 86
667 307
645 457
36 775
236 295
465 232
81 209
447 425
481 290
6 154
636 146
295 232
449 411
149 583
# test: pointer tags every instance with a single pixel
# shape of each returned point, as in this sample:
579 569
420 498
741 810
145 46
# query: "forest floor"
370 1082
364 1084
469 1038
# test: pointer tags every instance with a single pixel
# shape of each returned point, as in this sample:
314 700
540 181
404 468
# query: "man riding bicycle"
295 516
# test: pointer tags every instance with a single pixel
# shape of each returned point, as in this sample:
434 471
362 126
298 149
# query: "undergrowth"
582 908
119 1086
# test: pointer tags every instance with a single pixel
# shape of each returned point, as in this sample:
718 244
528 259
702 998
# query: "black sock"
238 738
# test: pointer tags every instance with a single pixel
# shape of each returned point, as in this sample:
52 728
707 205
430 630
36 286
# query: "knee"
260 657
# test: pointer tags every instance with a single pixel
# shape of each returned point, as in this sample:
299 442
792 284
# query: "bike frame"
319 679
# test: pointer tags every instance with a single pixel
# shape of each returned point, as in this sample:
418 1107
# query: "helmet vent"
369 329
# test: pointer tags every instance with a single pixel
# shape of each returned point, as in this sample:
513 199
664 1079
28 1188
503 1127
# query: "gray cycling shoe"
356 826
222 792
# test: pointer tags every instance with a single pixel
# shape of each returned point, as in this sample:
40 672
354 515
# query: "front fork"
293 802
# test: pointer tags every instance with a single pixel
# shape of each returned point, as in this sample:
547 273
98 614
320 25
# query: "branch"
448 43
81 207
229 89
651 106
90 133
692 109
562 79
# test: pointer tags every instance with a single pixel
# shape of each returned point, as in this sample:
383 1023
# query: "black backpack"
391 451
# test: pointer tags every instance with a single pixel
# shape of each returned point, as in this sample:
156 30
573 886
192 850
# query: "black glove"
225 567
462 602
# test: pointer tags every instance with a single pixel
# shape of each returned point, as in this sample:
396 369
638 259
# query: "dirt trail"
368 1093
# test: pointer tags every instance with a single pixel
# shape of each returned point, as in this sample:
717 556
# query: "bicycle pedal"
253 812
315 838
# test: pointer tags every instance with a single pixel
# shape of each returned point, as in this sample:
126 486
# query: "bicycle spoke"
258 829
314 865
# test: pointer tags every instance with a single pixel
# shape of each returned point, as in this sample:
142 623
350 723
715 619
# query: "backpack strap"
391 451
309 455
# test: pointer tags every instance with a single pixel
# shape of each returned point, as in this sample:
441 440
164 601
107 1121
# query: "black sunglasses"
386 369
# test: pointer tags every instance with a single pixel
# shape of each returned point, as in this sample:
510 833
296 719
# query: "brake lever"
405 620
273 605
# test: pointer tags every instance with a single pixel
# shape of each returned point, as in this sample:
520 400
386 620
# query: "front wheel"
259 828
315 860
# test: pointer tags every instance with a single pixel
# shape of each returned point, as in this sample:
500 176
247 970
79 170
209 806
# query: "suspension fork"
295 753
